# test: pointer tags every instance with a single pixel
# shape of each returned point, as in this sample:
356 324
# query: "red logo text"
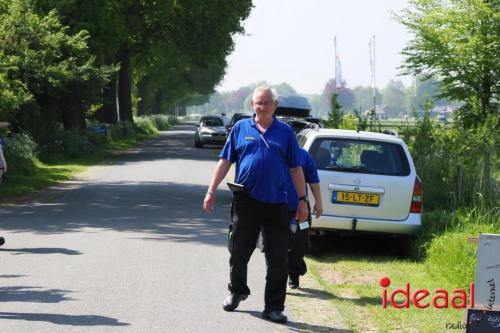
423 298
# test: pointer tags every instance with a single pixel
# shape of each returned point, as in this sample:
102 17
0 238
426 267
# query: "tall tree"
364 97
457 42
335 115
50 64
394 97
344 95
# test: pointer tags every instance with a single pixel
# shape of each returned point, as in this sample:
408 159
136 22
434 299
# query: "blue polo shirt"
310 174
263 160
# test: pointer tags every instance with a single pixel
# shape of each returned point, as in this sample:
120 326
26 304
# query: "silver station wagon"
368 183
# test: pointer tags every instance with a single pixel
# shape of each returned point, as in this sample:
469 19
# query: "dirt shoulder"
312 309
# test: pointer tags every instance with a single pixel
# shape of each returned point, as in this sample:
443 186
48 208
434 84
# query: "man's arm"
300 187
219 173
318 204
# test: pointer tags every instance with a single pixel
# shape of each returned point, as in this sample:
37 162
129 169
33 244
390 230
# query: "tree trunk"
108 113
73 116
125 85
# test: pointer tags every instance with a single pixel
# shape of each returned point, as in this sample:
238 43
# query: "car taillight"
416 200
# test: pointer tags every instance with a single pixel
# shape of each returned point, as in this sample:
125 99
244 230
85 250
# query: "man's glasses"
264 104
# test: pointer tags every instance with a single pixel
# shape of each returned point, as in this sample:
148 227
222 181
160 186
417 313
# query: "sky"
292 41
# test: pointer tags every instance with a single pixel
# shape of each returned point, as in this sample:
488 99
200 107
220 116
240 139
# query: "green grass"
447 260
56 169
354 287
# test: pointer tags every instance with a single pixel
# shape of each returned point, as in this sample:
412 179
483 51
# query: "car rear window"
360 156
238 117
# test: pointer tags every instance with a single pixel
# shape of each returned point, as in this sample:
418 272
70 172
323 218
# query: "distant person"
3 172
300 244
266 153
3 163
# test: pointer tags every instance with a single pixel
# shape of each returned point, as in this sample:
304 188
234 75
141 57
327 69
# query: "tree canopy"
457 42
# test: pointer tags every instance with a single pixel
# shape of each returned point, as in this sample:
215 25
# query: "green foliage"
458 167
348 122
394 97
335 115
122 129
52 75
163 122
145 125
458 42
71 143
443 241
21 153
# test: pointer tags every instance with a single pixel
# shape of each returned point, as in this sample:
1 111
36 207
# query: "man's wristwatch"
304 198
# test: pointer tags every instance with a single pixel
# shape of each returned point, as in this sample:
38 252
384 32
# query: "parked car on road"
295 111
210 130
368 184
235 118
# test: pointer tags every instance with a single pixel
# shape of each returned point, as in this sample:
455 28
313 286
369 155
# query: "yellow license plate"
355 198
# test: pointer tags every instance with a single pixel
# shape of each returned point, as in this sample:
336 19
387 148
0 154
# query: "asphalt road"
126 247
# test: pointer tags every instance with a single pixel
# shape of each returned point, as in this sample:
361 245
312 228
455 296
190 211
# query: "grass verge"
353 284
351 274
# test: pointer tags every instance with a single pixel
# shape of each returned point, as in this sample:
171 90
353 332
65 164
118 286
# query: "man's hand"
318 209
302 211
209 202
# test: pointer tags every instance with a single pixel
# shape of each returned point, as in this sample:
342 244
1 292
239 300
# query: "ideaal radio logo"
422 298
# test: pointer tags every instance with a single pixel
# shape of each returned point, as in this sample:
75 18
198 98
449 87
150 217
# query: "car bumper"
221 139
409 226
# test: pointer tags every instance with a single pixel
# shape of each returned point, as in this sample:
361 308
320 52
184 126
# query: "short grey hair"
259 89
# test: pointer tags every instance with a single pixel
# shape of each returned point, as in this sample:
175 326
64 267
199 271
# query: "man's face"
263 105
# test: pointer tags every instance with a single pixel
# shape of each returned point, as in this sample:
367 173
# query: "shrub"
444 241
122 129
145 125
21 153
75 143
457 166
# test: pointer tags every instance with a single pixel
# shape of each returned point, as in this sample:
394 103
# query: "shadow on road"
160 210
60 319
43 250
32 294
323 294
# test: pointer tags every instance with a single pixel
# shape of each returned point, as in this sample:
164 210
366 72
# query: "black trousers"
249 216
300 244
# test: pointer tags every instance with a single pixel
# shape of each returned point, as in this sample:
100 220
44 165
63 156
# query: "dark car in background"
210 130
235 118
295 111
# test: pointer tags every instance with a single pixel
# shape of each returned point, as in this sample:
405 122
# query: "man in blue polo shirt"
296 264
261 147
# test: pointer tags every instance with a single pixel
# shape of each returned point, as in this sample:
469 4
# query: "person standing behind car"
300 244
266 152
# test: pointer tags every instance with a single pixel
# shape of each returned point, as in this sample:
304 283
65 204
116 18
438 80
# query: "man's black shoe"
2 241
232 301
275 316
293 282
